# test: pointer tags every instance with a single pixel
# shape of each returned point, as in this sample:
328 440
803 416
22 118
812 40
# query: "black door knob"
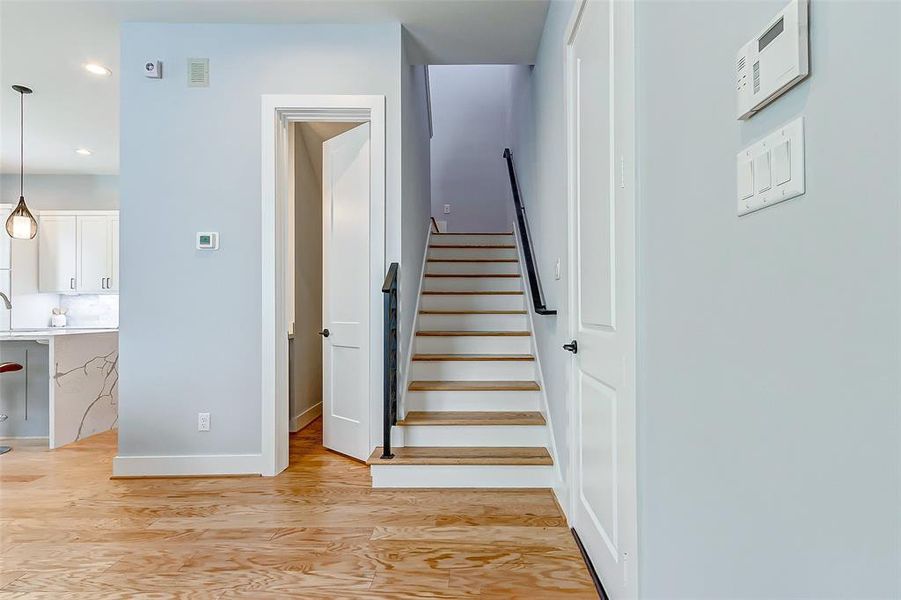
324 333
573 347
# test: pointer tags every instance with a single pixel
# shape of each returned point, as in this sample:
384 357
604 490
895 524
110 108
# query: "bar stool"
7 367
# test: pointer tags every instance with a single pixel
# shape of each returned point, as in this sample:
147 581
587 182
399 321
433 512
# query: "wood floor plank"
472 418
318 530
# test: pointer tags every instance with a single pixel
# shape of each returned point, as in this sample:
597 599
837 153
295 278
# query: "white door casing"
279 112
601 137
345 287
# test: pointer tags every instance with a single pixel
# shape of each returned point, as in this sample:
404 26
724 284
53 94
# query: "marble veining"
86 386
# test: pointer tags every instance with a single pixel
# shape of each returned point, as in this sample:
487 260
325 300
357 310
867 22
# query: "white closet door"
346 291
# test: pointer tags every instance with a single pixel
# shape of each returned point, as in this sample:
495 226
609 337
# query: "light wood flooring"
68 531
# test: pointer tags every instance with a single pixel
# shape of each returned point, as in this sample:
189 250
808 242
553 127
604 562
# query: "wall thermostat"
207 240
153 69
774 60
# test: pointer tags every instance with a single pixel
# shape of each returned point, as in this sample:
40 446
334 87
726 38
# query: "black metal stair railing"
528 251
389 290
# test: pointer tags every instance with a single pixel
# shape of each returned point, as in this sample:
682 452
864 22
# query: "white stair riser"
472 302
472 267
473 239
462 476
472 252
471 401
431 322
470 370
475 435
472 284
473 344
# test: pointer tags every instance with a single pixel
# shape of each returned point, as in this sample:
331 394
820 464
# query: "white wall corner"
305 418
190 465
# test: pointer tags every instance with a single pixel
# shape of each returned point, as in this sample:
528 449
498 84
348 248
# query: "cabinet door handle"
103 283
71 283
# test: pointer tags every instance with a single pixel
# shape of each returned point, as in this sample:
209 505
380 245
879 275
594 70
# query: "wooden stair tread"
473 260
473 333
473 386
476 275
487 418
472 357
474 233
472 312
510 246
472 293
418 455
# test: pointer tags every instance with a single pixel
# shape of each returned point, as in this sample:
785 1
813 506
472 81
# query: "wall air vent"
198 72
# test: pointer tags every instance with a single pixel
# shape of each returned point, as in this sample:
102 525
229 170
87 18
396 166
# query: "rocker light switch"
782 168
762 172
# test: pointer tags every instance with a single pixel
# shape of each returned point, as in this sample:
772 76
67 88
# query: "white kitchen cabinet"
57 244
79 251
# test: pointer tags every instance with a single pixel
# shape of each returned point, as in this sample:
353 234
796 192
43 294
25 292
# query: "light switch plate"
447 209
778 169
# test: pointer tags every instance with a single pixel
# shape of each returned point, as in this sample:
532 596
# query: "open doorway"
330 182
352 246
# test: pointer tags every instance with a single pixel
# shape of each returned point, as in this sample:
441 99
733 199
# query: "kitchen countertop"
42 334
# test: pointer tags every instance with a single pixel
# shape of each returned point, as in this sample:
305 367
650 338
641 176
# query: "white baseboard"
175 466
305 418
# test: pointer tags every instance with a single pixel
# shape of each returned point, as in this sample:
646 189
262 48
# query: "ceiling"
44 44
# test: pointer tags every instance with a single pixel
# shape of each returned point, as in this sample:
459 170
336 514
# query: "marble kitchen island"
81 377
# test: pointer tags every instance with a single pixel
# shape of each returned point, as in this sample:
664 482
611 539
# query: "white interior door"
602 290
346 290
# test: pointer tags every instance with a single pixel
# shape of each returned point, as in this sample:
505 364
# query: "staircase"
473 403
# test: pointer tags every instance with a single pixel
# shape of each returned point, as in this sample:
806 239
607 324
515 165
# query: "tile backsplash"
91 310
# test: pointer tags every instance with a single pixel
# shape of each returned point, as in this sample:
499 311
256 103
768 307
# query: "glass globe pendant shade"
21 224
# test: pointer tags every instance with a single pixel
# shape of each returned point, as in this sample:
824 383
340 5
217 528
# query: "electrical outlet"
203 421
447 209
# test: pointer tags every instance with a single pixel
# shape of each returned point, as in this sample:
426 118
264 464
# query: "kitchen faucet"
6 302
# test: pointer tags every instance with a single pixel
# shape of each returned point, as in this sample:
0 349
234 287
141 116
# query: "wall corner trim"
179 466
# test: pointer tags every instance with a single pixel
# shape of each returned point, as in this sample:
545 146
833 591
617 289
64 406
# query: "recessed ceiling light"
83 151
97 69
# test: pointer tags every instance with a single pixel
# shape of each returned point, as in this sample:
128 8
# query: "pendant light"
21 224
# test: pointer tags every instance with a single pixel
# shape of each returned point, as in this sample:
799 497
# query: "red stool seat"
10 367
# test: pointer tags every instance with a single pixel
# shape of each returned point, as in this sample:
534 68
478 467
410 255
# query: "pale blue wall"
768 399
190 161
769 345
470 114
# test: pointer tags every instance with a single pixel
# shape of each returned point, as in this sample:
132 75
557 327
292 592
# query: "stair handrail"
389 291
435 228
528 250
